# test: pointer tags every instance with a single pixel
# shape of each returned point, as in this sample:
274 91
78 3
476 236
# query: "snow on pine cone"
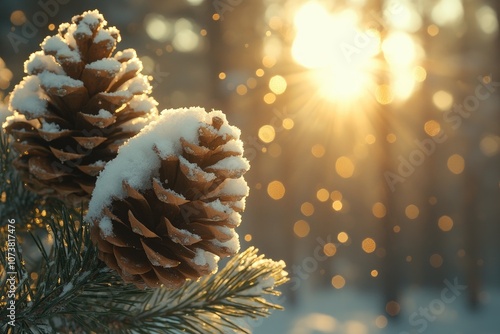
164 210
76 106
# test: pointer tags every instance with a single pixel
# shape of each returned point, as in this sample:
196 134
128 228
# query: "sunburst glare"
342 58
339 55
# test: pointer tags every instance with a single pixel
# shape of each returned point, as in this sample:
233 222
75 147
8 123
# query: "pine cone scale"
122 237
21 130
50 136
170 279
65 156
167 196
131 261
34 148
97 81
43 169
181 236
169 168
139 228
90 170
89 143
107 102
157 259
96 120
74 99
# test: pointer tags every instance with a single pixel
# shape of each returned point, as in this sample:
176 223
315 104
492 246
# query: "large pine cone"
173 217
77 105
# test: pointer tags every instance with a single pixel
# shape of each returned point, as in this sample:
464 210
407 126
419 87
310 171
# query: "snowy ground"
348 311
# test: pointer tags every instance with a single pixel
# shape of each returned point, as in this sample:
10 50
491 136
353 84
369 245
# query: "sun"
339 55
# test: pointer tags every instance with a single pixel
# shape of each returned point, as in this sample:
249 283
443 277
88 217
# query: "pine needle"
73 291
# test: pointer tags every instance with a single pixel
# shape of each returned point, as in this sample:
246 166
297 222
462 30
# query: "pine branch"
216 303
73 291
16 202
72 287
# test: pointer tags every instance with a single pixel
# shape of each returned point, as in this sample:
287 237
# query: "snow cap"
138 161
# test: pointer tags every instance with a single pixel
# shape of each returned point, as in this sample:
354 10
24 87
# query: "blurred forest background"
372 127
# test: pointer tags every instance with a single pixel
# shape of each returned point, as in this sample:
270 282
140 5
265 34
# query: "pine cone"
77 105
173 216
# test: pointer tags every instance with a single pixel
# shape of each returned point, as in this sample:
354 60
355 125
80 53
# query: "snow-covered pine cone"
76 106
172 216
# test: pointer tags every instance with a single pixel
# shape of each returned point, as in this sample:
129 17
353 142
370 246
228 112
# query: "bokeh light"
158 27
269 98
447 12
381 321
329 249
379 210
337 205
342 237
344 167
419 73
276 190
307 209
369 245
391 138
442 99
277 84
17 18
487 19
241 89
432 128
288 124
322 195
436 260
412 211
490 145
267 133
456 164
186 39
370 139
318 150
432 30
6 76
301 228
445 223
392 308
338 281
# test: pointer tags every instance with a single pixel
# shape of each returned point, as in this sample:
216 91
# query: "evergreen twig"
74 292
16 201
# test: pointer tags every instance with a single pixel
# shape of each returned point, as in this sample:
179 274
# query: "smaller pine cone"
173 216
76 106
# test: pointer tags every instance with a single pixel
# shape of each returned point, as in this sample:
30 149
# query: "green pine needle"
74 292
16 202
